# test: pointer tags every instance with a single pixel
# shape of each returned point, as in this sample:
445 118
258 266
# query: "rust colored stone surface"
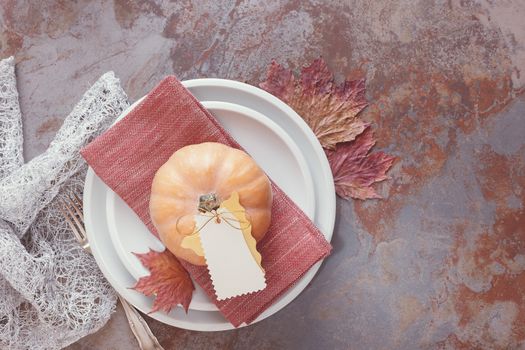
438 264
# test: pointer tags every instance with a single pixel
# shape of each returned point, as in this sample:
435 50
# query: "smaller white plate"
264 140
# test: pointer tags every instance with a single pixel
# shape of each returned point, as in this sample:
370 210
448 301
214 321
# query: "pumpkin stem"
209 202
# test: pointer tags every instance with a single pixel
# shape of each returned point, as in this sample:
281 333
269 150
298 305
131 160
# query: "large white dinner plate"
264 140
324 216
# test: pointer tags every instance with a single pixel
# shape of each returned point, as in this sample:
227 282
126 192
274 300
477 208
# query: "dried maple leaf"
355 170
168 281
330 110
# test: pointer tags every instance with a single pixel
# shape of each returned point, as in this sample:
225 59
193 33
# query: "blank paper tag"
233 269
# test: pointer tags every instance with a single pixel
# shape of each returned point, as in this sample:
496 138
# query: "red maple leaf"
168 281
329 109
355 169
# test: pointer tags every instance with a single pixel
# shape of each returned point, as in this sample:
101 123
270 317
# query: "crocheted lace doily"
51 292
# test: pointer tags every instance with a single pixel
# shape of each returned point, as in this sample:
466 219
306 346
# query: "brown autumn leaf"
329 109
355 170
168 281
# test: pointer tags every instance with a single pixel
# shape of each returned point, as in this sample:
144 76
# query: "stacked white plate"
281 143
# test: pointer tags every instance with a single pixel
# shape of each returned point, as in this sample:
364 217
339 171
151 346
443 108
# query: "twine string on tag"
218 217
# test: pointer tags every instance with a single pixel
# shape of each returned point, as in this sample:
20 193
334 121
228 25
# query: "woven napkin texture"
127 156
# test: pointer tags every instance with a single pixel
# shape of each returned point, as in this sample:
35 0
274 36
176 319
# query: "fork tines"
71 208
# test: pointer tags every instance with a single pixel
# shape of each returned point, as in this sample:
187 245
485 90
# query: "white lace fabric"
51 291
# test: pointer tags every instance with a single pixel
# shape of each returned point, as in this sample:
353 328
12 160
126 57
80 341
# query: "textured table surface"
438 264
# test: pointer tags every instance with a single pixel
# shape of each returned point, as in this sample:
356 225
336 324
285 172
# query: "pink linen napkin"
127 156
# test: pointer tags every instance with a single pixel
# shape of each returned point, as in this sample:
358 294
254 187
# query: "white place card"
232 266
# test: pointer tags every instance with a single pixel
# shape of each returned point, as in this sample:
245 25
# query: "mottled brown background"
439 264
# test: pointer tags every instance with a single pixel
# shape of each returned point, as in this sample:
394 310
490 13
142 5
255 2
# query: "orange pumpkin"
200 177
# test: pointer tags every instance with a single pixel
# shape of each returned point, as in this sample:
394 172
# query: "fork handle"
139 327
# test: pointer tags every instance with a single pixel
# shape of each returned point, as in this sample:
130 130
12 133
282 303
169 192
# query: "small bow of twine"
209 207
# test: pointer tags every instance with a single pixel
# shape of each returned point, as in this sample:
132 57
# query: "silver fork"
72 211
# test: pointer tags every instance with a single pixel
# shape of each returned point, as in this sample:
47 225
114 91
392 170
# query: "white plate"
280 158
258 100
